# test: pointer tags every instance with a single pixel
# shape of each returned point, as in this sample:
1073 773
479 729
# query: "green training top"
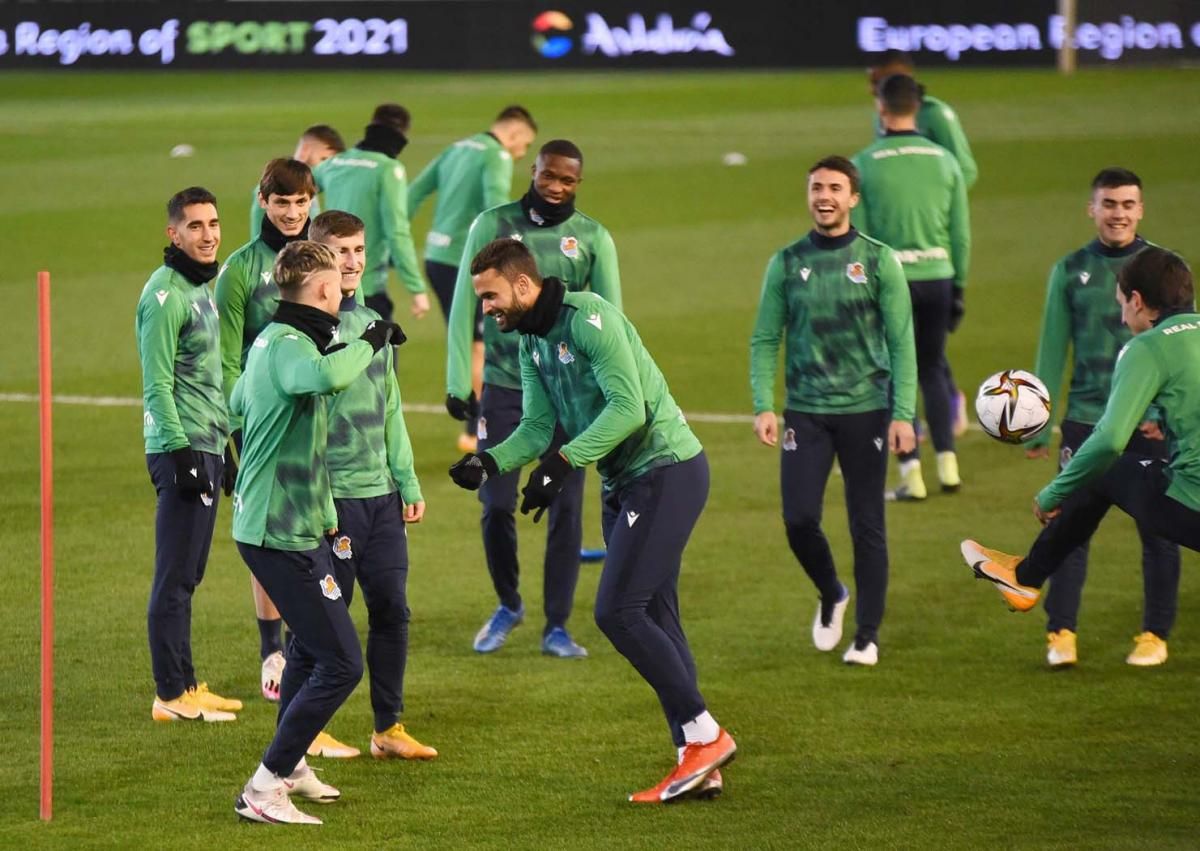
1082 313
938 122
592 374
257 213
369 451
176 329
844 307
915 200
470 176
246 299
579 251
372 186
282 499
1159 366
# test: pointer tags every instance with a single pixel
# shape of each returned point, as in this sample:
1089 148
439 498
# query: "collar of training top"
1105 250
383 140
196 272
540 318
901 133
1174 311
541 212
275 239
831 243
314 323
348 304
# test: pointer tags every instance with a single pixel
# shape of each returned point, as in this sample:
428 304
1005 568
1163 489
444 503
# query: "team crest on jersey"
1084 277
856 273
789 440
481 429
564 355
569 246
1064 457
341 547
329 587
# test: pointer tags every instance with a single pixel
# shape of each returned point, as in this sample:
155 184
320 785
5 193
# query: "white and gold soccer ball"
1013 405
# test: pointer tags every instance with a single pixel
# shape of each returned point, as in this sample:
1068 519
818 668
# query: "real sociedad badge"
341 547
329 587
856 273
564 355
569 246
481 429
789 440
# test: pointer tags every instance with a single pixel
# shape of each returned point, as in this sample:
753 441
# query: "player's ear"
262 202
173 235
855 197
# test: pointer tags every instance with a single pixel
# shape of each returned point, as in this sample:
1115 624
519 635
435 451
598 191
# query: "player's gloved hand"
229 473
472 470
381 332
462 409
190 475
544 483
958 309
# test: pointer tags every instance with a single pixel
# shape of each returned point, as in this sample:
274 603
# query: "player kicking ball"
583 365
1159 366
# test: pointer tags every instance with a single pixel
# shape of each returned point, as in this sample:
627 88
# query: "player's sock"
270 637
264 780
701 730
907 467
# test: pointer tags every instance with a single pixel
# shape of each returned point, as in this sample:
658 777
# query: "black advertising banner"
516 34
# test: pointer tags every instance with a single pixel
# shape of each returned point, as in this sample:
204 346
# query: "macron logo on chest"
804 273
594 320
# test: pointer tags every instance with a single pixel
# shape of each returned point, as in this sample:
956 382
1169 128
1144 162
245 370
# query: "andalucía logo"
549 34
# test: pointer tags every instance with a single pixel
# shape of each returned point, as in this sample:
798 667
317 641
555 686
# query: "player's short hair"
562 148
327 136
899 94
298 261
186 197
507 256
892 58
835 162
1161 276
337 223
392 115
516 112
1111 178
285 176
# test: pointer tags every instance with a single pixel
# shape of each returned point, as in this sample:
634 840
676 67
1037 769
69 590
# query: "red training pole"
47 430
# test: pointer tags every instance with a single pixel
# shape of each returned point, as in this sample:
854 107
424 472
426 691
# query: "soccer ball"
1013 405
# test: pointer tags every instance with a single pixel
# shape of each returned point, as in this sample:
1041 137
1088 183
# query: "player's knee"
615 618
391 611
802 527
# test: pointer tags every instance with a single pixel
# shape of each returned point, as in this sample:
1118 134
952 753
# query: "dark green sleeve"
256 216
393 215
398 445
1136 381
767 335
605 280
895 303
158 343
945 129
536 429
960 227
460 325
423 186
232 292
299 370
1052 347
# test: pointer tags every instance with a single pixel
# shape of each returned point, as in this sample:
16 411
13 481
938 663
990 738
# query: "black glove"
190 475
544 483
472 470
380 332
461 410
229 474
957 309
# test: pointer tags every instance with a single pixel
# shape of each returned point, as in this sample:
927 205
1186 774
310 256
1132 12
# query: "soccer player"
584 369
1081 314
840 302
1160 366
470 176
185 426
578 251
375 492
369 181
914 199
283 509
317 144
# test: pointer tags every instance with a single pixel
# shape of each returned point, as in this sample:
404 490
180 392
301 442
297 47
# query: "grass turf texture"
960 737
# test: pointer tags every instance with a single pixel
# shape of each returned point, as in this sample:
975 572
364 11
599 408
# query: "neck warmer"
540 318
383 139
275 239
542 213
1164 315
829 243
316 324
195 271
1105 250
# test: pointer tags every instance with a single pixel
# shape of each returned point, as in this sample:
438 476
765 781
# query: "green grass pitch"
960 738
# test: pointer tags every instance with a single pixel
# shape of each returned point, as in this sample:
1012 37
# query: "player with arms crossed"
1081 314
1160 366
840 303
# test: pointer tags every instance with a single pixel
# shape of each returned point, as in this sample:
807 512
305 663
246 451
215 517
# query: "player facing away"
185 426
839 302
283 508
1081 315
914 199
578 251
1160 366
317 144
247 298
470 176
584 369
369 181
376 493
